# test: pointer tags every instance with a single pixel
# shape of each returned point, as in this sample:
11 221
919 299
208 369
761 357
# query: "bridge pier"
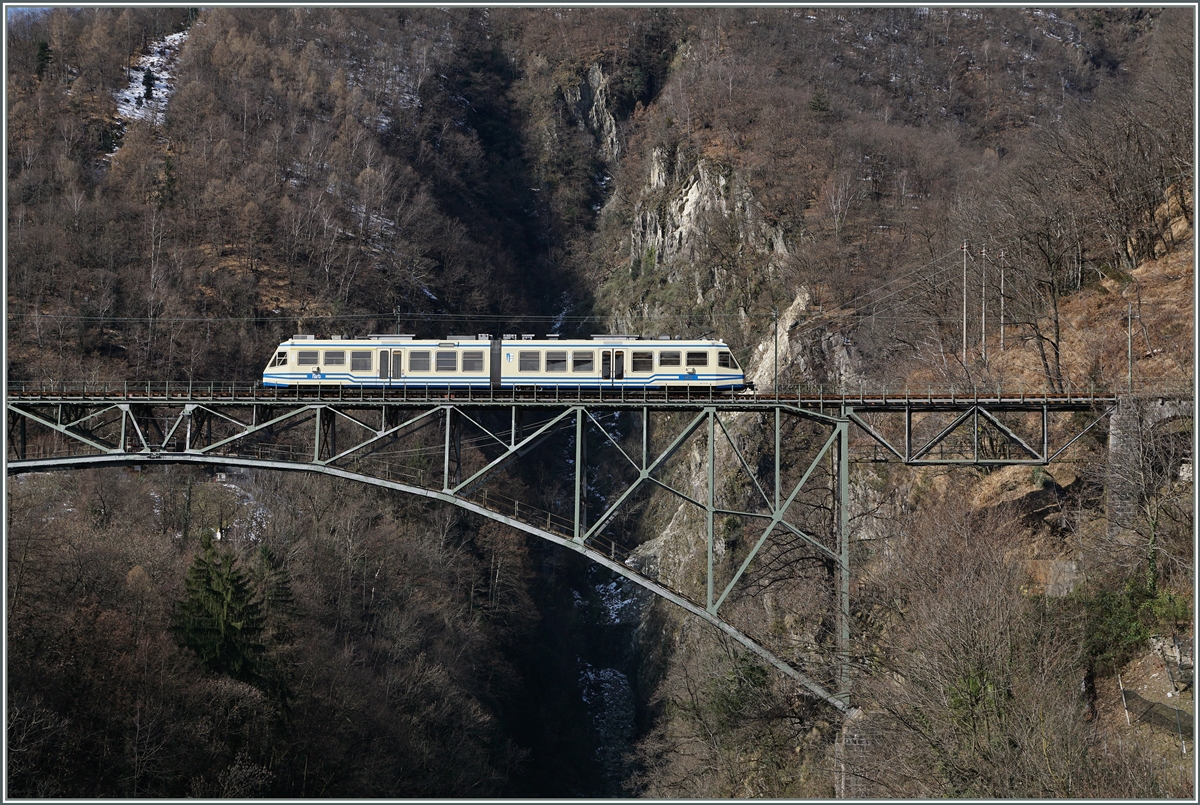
1137 464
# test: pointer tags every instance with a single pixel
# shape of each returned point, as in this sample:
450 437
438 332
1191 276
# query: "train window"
725 360
668 358
335 357
280 359
697 359
360 361
306 357
418 361
583 361
529 361
447 360
641 362
473 361
556 361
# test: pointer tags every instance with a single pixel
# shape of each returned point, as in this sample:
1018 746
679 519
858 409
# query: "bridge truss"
763 478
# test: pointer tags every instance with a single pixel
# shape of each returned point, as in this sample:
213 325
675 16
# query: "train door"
494 366
390 365
612 364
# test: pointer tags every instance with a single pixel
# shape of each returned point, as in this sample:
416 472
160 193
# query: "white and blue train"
513 361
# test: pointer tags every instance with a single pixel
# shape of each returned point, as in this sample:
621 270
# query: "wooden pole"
1001 300
964 327
1123 703
983 305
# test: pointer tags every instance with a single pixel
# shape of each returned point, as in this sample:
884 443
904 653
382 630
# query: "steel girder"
795 492
977 432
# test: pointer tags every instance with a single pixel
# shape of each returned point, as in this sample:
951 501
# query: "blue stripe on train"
484 381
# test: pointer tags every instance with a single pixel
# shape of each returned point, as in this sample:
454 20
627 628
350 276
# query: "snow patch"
160 61
617 601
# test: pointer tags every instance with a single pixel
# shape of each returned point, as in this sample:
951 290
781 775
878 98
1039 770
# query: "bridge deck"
417 396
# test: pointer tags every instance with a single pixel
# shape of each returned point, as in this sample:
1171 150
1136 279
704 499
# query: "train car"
512 361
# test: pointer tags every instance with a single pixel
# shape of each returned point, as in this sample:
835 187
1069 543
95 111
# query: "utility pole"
1002 300
775 316
964 327
983 305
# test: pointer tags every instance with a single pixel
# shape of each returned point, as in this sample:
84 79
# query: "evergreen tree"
271 579
220 617
819 102
44 57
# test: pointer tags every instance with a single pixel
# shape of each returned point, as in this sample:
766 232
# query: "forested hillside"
654 170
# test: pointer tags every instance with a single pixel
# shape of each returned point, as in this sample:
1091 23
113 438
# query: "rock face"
697 231
685 205
776 351
1033 494
672 217
589 104
820 356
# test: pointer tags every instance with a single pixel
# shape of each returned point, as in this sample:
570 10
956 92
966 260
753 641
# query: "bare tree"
974 689
1043 236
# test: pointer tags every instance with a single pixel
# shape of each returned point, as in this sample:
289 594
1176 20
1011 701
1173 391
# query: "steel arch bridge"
784 502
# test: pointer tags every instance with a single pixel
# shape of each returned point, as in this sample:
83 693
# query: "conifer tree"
44 57
273 581
220 617
274 585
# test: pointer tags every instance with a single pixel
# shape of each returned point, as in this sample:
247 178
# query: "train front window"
306 357
529 361
473 361
447 360
583 361
418 361
725 360
556 361
641 362
335 357
668 358
697 359
280 359
360 361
